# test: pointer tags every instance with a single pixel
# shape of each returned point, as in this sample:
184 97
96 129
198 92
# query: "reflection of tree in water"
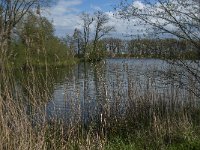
101 94
35 86
92 102
93 92
99 99
40 82
81 96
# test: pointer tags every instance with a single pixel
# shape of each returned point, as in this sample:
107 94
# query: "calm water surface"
111 83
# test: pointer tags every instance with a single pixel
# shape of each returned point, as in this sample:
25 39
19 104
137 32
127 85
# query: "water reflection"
107 87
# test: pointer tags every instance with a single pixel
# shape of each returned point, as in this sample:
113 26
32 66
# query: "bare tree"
87 22
96 23
179 19
101 29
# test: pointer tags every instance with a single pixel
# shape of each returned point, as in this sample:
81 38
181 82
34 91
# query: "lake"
113 86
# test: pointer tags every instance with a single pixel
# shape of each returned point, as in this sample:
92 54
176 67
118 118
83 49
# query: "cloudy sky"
65 16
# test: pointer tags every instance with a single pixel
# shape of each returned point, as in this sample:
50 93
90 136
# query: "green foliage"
142 141
118 143
18 57
162 48
36 45
96 55
57 51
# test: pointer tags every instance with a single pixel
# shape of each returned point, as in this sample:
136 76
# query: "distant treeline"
168 48
160 47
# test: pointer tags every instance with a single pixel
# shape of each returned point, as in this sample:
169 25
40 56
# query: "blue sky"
65 15
106 5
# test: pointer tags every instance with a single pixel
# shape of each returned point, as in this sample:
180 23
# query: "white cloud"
156 14
139 5
64 16
63 7
95 7
123 26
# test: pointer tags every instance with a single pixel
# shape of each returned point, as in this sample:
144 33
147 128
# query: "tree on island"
94 28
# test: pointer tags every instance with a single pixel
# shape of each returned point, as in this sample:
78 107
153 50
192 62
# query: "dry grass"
146 119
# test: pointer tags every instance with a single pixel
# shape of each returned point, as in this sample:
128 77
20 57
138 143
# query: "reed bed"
127 114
